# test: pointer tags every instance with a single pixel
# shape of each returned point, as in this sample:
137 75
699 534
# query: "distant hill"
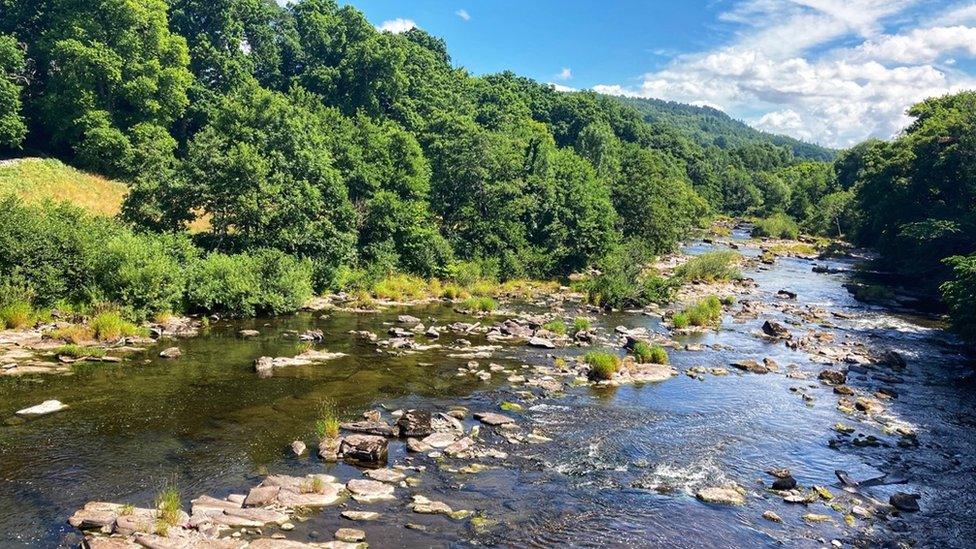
710 126
37 179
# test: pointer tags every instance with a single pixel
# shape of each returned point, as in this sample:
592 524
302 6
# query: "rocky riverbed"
805 419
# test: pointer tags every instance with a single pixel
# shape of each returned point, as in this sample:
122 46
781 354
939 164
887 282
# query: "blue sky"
829 71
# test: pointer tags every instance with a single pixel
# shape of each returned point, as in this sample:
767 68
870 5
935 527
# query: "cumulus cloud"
808 89
398 25
564 74
463 14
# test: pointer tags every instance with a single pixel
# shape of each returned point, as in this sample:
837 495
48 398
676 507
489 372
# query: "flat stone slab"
379 428
724 495
351 535
360 515
385 475
44 408
260 496
440 440
493 419
368 491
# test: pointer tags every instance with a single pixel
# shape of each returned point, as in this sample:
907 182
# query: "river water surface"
621 470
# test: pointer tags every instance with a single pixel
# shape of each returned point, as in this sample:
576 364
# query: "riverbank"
747 401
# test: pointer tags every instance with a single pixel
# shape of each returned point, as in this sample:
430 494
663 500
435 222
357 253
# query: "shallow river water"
622 468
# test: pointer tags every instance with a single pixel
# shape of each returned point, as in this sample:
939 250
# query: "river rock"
541 343
408 319
771 516
171 352
832 377
775 329
892 359
350 535
260 496
369 491
425 506
385 475
784 483
459 447
750 365
44 408
298 448
448 422
359 515
248 333
329 449
493 419
786 294
905 502
364 449
724 495
415 423
439 440
417 446
380 428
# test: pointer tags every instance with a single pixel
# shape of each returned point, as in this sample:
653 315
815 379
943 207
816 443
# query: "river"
623 465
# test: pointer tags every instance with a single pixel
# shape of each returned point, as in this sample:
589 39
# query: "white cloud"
562 88
564 74
463 14
398 25
799 86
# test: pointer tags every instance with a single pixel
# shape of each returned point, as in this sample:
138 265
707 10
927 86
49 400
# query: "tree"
12 126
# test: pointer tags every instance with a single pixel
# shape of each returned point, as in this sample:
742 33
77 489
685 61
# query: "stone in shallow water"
440 440
260 496
415 423
725 495
360 515
298 447
364 449
380 428
351 535
771 516
493 419
368 491
44 408
171 352
905 502
417 446
385 475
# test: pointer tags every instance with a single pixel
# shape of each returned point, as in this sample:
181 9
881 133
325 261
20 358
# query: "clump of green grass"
453 291
650 354
75 334
710 267
109 326
327 426
127 509
704 313
16 314
777 225
482 304
581 324
602 364
313 486
680 321
555 326
401 287
78 351
168 506
728 300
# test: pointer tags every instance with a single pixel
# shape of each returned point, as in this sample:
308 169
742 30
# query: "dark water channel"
622 468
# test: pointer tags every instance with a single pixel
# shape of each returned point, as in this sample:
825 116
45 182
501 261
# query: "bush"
710 267
648 354
266 281
110 326
704 313
76 333
960 295
17 314
622 282
680 320
482 304
555 326
602 364
401 287
452 291
581 324
778 225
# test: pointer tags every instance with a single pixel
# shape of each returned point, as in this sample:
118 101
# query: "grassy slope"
37 179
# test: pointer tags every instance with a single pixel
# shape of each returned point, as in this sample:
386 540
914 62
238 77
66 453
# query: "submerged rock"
369 491
44 408
493 419
171 352
905 502
364 449
723 495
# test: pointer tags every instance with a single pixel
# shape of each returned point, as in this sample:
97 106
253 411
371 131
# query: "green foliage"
710 267
777 225
12 64
481 304
168 506
959 293
581 324
16 314
264 281
602 364
706 312
77 351
555 326
622 281
645 353
327 425
110 326
680 320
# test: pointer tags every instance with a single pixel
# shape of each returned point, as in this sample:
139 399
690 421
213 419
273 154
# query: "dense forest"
322 154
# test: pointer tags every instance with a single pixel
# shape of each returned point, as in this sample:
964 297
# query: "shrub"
960 295
710 267
704 313
76 333
265 281
482 304
17 314
581 324
622 282
453 291
778 225
400 287
555 326
602 364
110 326
650 354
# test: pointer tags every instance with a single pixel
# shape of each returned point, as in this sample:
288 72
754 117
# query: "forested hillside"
302 138
709 126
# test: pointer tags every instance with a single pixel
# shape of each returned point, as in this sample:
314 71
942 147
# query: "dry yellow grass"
37 179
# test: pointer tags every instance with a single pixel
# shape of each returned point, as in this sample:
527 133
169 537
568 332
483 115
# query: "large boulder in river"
905 502
833 377
892 359
775 329
364 449
415 423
